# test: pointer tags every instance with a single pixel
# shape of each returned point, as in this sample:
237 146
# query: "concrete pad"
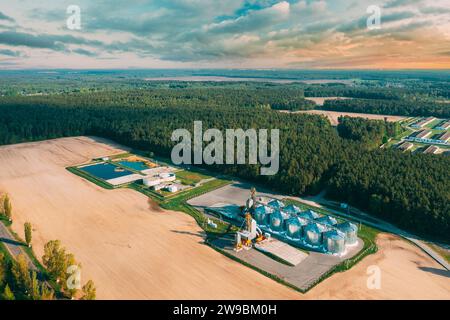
282 250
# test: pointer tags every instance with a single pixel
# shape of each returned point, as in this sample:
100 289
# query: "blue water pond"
136 165
106 171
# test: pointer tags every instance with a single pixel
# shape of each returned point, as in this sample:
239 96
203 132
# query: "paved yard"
301 275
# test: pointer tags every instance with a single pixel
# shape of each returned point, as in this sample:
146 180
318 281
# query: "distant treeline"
390 107
279 98
412 191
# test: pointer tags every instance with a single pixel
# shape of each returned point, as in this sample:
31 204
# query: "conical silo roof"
292 209
276 204
328 220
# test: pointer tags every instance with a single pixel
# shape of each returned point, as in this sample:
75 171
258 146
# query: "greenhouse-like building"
313 233
350 230
327 220
334 241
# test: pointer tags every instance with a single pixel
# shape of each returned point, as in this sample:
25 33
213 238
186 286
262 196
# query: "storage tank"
293 228
327 220
276 204
276 221
285 215
313 233
334 241
292 209
262 215
350 230
308 214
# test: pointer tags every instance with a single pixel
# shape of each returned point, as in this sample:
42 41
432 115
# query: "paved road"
14 247
382 225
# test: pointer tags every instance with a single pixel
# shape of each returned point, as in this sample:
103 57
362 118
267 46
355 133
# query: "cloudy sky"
225 34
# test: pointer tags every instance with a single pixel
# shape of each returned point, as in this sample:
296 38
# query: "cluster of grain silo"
306 227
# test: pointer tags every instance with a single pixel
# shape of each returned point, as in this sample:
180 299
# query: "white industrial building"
161 178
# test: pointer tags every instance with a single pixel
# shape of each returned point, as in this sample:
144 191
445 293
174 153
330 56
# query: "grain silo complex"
304 228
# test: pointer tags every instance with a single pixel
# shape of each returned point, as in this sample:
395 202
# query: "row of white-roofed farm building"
306 228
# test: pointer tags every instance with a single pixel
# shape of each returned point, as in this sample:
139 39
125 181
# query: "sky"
294 34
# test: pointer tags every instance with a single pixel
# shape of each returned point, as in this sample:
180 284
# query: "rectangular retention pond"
105 171
136 165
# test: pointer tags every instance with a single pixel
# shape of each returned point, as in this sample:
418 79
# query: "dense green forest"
390 107
410 190
279 98
371 133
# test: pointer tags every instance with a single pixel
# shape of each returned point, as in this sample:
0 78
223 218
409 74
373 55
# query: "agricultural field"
130 229
333 116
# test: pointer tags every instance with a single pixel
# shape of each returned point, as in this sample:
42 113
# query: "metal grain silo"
327 220
276 221
308 214
262 215
350 230
313 233
275 204
334 241
293 228
292 209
